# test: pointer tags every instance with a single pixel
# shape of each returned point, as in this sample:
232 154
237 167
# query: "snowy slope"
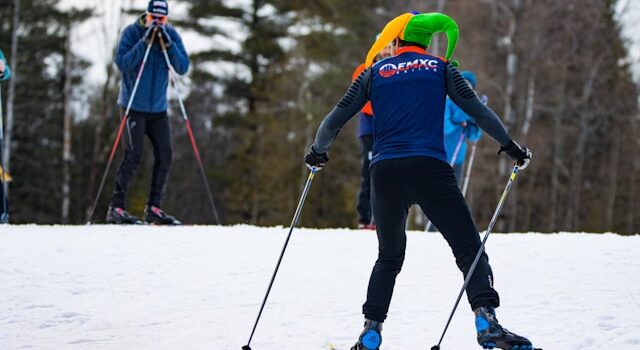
200 287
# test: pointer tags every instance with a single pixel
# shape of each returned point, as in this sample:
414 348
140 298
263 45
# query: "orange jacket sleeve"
367 109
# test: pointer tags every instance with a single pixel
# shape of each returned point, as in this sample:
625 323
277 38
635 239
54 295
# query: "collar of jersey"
413 49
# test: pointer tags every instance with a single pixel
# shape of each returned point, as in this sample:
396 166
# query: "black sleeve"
351 103
465 98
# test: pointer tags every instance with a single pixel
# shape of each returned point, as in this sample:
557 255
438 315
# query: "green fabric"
7 72
422 27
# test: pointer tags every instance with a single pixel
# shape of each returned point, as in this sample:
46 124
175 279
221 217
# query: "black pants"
364 196
156 126
398 183
457 171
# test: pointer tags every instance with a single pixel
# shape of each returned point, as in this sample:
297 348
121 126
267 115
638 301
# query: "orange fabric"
161 19
367 109
416 49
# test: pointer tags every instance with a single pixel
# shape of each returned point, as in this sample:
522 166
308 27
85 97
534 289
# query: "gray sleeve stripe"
461 85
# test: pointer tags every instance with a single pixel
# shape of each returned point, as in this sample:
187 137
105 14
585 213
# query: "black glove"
149 34
522 155
165 36
315 159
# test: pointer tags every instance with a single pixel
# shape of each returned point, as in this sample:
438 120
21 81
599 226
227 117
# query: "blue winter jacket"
454 117
151 96
7 71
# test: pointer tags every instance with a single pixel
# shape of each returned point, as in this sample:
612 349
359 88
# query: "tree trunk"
573 215
524 132
436 40
255 127
12 89
635 167
66 145
528 115
613 179
555 171
511 69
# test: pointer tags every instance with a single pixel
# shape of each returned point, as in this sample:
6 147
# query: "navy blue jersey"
408 95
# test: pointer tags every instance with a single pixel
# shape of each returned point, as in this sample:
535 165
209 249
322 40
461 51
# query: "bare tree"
66 145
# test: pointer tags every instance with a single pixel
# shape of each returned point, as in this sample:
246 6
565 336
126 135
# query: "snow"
106 287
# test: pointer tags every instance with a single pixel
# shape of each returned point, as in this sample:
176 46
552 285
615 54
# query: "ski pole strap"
313 169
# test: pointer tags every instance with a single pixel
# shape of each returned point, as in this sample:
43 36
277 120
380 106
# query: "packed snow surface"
110 287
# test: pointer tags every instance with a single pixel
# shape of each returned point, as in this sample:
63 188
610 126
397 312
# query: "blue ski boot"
492 335
370 338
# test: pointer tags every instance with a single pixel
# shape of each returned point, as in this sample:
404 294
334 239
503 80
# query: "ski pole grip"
162 44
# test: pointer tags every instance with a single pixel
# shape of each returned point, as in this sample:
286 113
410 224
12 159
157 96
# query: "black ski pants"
430 183
156 127
364 196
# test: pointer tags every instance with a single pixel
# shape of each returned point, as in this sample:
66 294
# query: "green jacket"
7 71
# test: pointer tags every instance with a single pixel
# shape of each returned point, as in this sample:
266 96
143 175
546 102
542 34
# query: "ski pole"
125 118
451 162
294 222
505 193
2 165
467 176
174 82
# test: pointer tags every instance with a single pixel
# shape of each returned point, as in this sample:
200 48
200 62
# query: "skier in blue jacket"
459 126
148 114
5 71
5 74
409 165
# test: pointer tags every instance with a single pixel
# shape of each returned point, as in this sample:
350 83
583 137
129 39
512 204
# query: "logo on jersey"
388 70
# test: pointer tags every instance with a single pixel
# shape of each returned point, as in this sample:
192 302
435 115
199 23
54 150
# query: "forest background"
265 72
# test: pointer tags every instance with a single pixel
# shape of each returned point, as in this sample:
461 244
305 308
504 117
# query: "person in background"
5 74
148 114
457 124
365 135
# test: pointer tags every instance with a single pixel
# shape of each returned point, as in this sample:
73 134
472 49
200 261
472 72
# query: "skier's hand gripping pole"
505 193
124 120
294 223
174 82
520 154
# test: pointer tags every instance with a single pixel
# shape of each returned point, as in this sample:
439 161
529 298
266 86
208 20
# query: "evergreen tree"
38 129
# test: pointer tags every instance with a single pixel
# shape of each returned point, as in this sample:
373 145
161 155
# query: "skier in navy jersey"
409 165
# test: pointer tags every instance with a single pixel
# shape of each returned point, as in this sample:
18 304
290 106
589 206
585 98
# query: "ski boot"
492 335
4 219
119 216
370 338
155 216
